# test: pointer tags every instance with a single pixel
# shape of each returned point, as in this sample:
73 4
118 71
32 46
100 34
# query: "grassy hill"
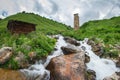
105 31
33 42
44 25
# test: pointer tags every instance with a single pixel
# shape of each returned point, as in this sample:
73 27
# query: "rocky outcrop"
67 67
5 54
11 75
71 41
90 75
97 48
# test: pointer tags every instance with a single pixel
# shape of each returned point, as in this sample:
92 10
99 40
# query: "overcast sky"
63 10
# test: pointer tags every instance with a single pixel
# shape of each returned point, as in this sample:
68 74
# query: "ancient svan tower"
76 21
20 27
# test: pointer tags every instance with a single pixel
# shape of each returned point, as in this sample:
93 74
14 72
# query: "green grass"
33 42
105 31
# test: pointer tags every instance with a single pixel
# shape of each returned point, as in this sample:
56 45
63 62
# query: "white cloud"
63 10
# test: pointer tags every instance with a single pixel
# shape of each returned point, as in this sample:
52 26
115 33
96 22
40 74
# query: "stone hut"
76 21
20 27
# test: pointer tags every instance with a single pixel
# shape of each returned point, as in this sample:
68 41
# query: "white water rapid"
102 67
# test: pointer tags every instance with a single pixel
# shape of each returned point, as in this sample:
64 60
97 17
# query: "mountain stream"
102 67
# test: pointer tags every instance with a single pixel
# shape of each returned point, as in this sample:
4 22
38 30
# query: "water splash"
102 67
36 71
59 44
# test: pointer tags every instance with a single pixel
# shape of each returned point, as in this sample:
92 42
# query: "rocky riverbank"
71 60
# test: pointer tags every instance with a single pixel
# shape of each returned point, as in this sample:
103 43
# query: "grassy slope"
106 30
36 41
44 25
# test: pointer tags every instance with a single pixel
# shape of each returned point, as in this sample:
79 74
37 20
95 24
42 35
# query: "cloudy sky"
63 10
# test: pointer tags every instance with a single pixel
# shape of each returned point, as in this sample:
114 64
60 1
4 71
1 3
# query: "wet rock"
69 49
21 60
90 75
118 62
5 54
91 42
113 77
118 73
71 41
97 48
11 75
87 59
55 49
67 67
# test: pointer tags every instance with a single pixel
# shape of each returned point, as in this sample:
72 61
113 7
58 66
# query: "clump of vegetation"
33 42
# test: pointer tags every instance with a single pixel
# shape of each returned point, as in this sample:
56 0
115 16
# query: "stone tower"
76 21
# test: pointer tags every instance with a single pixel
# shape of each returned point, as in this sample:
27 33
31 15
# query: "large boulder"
67 67
11 75
71 41
5 54
70 49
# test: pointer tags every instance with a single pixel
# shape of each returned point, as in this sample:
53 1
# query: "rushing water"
102 67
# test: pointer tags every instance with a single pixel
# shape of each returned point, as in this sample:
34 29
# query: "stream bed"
102 67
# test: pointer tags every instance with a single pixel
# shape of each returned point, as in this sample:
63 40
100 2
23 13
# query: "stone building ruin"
20 27
76 21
